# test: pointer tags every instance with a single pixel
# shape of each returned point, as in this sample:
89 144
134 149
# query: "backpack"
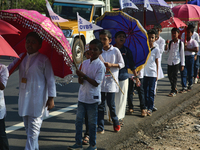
179 45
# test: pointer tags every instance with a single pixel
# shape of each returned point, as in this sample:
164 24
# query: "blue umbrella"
136 35
161 12
194 2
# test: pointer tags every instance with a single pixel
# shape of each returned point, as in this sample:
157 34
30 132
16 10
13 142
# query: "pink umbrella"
7 28
54 46
6 49
187 12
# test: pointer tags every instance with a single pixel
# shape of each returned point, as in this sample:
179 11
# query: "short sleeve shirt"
150 70
94 70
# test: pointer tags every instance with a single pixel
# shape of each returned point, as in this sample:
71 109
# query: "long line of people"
100 76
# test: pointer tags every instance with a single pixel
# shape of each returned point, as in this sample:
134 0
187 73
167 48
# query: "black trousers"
3 138
172 71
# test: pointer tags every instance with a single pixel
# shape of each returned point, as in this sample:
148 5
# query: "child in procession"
86 137
176 59
36 89
161 44
90 77
191 47
120 98
113 62
3 82
151 72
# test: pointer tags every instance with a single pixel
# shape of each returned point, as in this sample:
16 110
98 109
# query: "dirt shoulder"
179 133
141 131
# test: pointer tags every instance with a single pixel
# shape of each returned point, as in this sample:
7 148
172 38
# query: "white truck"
89 10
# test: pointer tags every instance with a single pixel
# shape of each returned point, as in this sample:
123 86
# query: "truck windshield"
69 11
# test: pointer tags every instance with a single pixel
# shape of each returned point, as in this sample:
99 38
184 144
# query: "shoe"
143 112
149 112
184 90
154 108
172 94
117 128
91 148
99 131
130 112
195 80
75 147
189 88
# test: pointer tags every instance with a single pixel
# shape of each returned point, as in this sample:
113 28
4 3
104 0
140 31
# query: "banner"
147 5
84 25
127 4
54 17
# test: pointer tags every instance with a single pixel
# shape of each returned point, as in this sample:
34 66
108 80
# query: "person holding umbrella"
36 88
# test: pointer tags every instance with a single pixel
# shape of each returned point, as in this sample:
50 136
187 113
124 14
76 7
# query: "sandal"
183 91
86 140
121 122
172 94
130 112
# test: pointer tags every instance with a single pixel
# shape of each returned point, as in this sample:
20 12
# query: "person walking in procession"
36 89
90 77
113 61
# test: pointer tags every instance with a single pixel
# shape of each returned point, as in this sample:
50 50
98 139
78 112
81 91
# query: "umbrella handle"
116 82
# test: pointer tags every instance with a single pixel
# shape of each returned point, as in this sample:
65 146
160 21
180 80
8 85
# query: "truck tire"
78 51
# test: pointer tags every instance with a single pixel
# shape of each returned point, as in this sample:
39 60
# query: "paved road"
58 131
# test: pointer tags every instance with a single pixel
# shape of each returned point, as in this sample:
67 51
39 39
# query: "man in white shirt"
36 89
3 82
176 56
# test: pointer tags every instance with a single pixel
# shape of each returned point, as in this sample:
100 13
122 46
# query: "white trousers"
32 127
121 99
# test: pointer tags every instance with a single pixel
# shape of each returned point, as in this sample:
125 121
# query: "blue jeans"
196 66
149 87
187 73
110 99
92 110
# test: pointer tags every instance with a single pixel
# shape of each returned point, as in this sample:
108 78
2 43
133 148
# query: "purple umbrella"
161 12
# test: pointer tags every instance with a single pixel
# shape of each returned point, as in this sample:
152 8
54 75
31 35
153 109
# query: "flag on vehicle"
54 17
127 4
84 25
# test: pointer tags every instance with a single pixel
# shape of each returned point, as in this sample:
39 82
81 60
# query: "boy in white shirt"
195 36
90 77
151 72
161 44
191 47
3 82
175 59
113 62
36 88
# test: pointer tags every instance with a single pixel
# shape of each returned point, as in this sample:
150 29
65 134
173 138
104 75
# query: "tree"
38 5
